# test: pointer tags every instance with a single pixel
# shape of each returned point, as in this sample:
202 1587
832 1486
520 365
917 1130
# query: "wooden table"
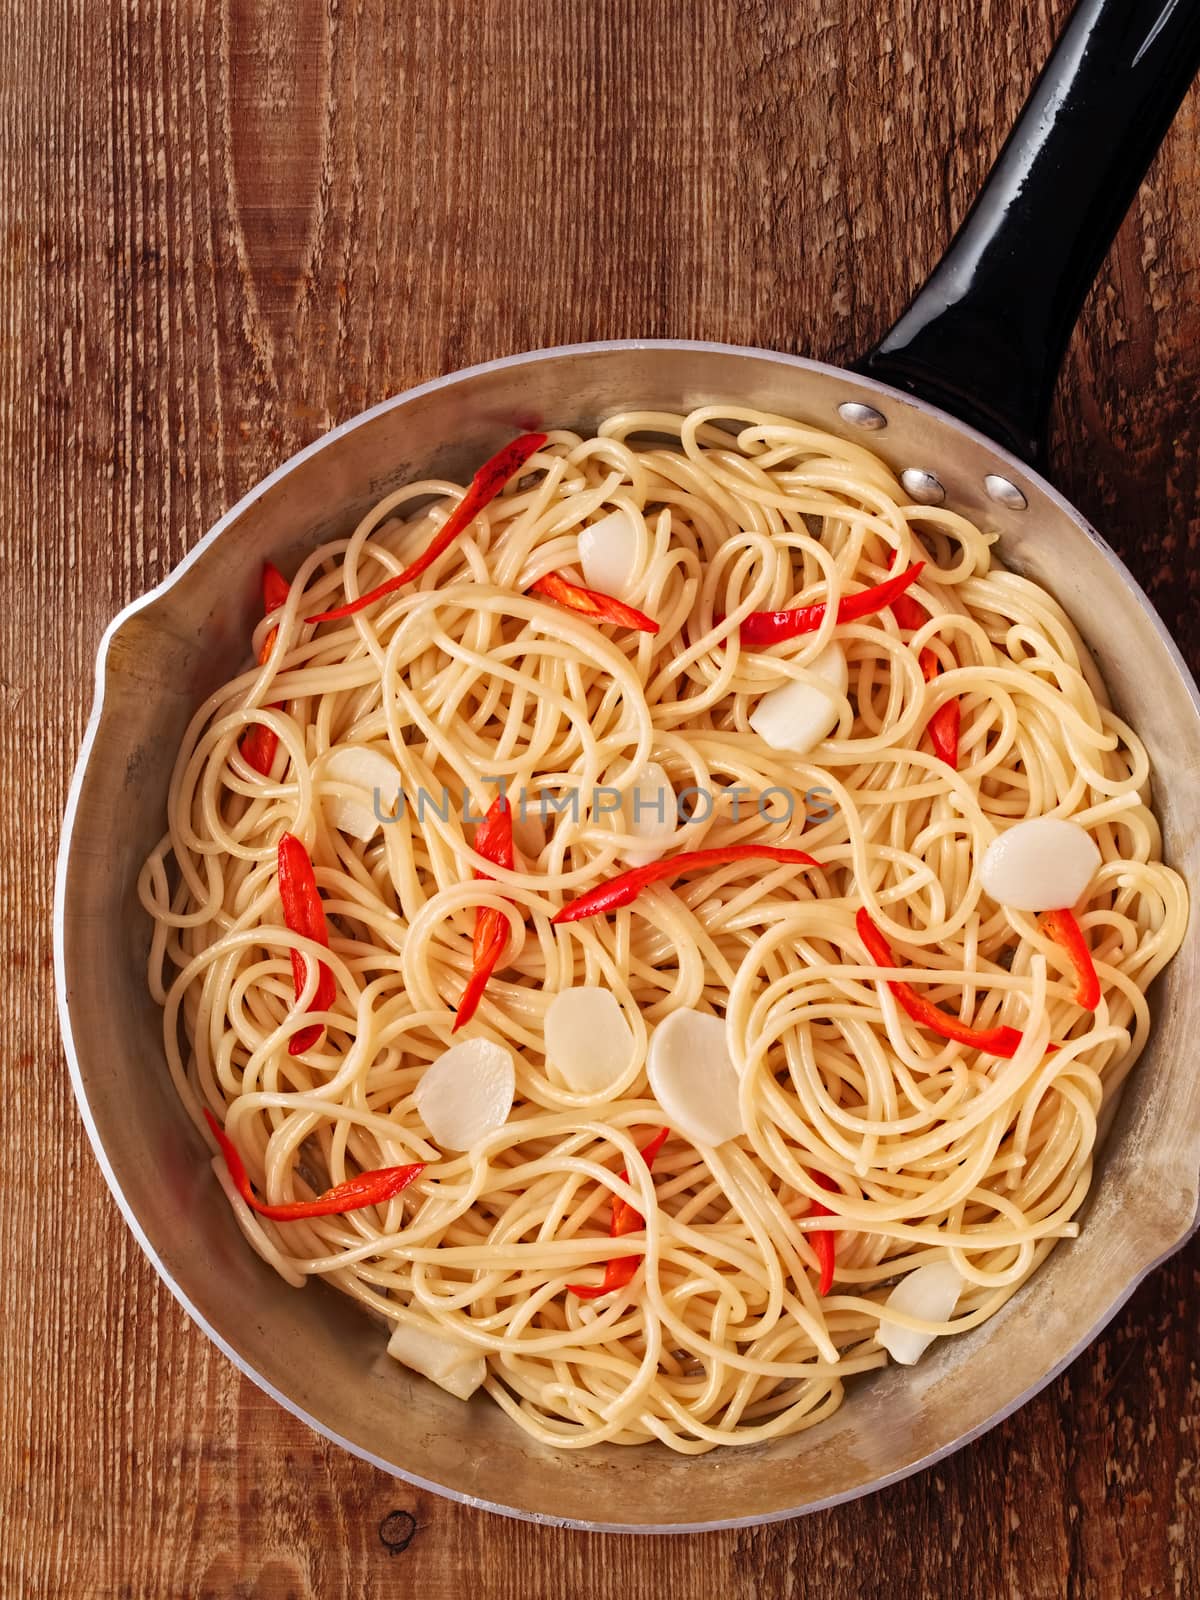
227 227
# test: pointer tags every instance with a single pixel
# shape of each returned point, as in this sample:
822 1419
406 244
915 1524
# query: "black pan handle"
984 338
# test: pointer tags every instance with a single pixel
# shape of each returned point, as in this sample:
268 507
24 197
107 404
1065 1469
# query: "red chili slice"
999 1041
591 603
763 628
625 1219
368 1189
484 487
626 886
1062 927
494 841
304 913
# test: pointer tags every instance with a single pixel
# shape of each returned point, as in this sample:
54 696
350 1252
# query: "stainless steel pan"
981 343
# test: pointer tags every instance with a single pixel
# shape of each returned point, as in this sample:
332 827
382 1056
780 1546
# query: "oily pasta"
910 1147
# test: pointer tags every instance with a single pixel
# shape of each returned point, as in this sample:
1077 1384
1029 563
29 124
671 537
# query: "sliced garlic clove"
651 814
929 1292
797 716
466 1093
693 1079
589 1044
608 552
457 1366
1039 865
372 773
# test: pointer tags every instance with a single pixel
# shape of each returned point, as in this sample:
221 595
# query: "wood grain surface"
227 226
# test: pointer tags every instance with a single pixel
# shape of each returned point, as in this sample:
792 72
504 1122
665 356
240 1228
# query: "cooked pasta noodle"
470 686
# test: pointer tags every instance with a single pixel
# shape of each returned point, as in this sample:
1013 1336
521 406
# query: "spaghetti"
855 1117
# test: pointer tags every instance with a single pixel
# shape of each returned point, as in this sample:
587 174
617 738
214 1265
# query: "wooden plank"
227 226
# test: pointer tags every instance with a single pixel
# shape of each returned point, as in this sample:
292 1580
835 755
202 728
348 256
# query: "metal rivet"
861 416
922 486
1004 492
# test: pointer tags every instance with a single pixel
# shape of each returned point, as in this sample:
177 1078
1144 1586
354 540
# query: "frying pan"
954 399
